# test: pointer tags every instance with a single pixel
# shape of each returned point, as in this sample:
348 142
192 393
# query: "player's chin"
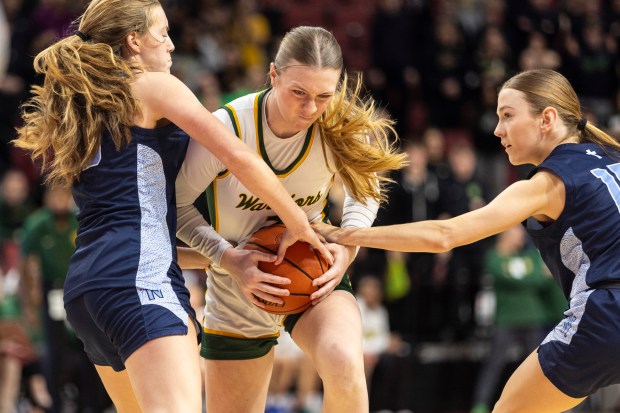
515 160
304 123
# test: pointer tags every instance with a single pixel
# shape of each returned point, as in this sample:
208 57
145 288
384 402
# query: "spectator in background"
461 192
47 244
209 91
538 55
15 204
375 322
434 141
591 65
4 43
252 32
387 364
295 386
394 65
518 276
16 348
495 16
494 61
410 290
19 336
19 72
613 22
446 61
492 161
534 15
33 26
188 66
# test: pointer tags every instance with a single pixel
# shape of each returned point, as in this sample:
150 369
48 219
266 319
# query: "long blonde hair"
86 91
363 143
547 88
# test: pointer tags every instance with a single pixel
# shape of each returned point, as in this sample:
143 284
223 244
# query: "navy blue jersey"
127 214
581 248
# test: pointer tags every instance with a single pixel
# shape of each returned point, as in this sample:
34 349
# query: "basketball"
301 265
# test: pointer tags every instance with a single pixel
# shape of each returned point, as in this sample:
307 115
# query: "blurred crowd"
433 65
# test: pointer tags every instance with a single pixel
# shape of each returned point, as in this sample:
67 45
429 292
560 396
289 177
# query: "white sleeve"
357 215
199 169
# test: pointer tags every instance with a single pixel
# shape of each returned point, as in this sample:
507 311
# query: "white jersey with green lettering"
306 169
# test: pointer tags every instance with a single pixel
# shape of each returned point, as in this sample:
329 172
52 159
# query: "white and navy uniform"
233 327
124 286
582 250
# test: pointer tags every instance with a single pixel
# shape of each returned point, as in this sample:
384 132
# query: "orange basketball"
301 265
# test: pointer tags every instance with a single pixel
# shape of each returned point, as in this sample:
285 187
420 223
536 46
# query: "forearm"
189 259
194 231
412 237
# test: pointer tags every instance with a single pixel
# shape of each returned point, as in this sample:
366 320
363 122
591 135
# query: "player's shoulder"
243 103
237 110
146 81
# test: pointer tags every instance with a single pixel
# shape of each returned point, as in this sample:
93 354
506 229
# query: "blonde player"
307 127
571 208
111 121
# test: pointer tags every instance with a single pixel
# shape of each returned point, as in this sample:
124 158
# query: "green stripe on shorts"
216 347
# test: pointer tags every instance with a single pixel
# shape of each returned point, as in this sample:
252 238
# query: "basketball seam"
285 259
316 254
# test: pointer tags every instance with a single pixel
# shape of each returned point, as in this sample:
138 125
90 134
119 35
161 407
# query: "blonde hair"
86 91
363 143
547 88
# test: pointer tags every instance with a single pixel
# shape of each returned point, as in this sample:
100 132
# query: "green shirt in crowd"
524 290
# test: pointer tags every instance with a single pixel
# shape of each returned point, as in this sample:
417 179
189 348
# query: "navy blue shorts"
582 353
114 323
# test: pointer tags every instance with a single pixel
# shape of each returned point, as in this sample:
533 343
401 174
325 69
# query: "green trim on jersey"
260 100
232 113
235 120
210 194
210 191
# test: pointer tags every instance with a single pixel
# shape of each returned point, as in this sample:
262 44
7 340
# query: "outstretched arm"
542 197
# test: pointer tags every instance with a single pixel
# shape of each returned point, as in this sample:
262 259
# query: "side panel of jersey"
127 214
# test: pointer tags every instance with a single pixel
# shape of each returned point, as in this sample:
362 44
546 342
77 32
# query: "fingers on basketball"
301 264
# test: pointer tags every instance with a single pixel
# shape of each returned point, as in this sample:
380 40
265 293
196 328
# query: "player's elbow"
445 240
